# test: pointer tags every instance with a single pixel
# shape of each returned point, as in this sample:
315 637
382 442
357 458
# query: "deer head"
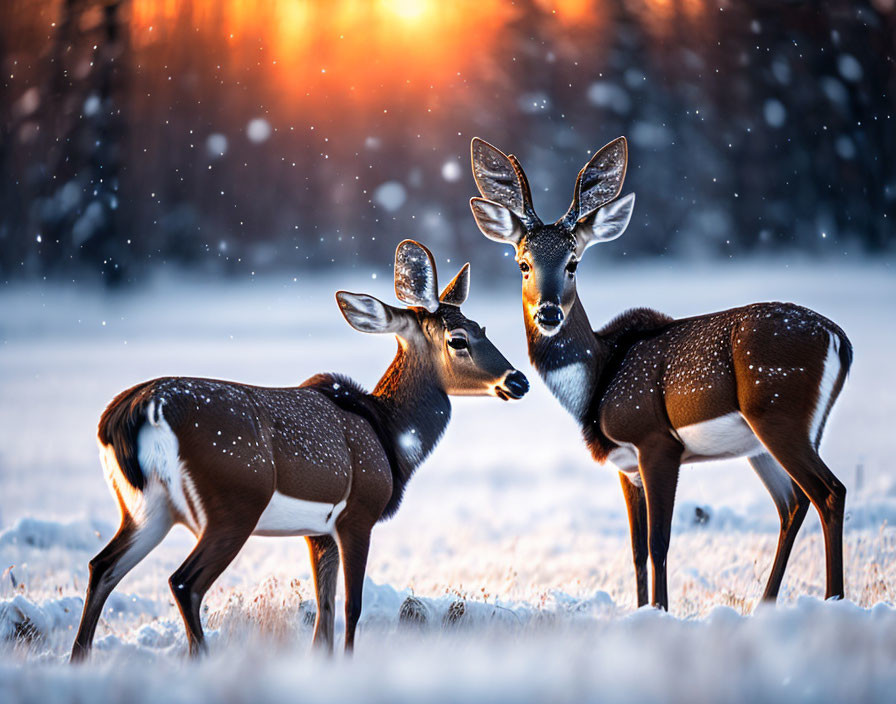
433 328
549 254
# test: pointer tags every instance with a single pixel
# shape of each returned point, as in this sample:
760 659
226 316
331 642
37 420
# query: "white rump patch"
570 386
723 437
149 509
825 388
286 516
166 477
157 453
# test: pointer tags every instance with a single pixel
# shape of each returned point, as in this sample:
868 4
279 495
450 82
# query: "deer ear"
495 175
500 178
368 314
416 283
599 181
497 222
458 288
608 223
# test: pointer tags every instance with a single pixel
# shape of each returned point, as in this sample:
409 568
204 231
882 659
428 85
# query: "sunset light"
407 9
352 52
249 251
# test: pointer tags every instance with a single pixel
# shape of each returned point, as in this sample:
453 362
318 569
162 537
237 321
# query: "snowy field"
509 527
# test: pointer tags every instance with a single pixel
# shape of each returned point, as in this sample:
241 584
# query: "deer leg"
127 548
636 505
217 547
354 545
792 504
325 567
659 462
825 491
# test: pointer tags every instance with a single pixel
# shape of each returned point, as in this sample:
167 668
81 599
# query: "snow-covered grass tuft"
506 574
281 613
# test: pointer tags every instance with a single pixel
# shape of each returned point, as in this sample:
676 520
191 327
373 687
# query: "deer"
650 392
325 460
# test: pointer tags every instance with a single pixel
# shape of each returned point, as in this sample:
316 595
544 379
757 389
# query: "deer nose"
516 384
549 316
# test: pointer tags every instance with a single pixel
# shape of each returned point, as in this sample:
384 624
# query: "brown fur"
327 441
637 384
617 337
653 375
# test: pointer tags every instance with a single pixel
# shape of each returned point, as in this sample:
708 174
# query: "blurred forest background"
238 136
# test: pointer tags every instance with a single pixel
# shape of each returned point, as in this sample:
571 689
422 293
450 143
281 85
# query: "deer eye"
524 267
458 343
572 266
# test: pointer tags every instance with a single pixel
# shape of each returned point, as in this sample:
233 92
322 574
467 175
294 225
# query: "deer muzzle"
548 317
514 385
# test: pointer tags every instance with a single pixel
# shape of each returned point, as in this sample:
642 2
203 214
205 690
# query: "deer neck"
416 409
570 362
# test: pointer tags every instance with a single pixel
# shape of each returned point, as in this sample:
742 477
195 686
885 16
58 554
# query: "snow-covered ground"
509 518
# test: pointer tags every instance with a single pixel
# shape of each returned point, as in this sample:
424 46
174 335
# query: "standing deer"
651 392
325 460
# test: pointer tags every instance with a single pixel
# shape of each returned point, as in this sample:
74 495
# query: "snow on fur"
507 575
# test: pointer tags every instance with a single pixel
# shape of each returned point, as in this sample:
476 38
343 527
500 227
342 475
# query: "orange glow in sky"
332 53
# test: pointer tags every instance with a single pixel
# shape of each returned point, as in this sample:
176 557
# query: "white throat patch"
570 386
